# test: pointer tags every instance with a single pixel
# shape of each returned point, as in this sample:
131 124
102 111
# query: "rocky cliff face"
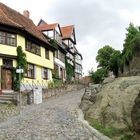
112 102
133 68
135 116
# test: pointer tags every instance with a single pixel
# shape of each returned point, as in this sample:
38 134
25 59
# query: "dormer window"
58 37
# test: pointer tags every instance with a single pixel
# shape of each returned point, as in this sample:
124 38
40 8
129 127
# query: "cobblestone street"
54 119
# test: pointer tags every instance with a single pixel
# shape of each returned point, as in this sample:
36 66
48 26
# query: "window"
7 62
32 47
56 53
62 57
31 71
45 73
7 38
47 54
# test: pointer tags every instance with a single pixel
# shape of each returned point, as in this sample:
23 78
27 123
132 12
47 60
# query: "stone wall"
27 95
47 93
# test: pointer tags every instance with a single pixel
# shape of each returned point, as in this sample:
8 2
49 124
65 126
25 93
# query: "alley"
54 119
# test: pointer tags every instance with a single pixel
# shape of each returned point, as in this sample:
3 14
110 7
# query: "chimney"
26 13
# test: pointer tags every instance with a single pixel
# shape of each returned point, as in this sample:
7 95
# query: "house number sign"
19 70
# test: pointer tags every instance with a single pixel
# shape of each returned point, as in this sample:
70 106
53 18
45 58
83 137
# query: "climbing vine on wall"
21 63
69 70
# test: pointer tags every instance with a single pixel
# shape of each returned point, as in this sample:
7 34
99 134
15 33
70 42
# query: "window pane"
2 39
47 54
32 47
11 35
45 73
2 33
7 38
11 41
30 73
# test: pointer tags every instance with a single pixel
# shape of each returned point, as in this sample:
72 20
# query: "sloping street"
54 119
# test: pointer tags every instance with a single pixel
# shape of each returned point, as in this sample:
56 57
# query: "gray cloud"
97 22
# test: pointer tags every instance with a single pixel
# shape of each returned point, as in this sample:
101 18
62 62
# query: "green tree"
128 50
98 76
21 60
103 56
114 62
130 35
21 63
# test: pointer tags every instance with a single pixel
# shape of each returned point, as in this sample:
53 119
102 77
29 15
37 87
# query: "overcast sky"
97 22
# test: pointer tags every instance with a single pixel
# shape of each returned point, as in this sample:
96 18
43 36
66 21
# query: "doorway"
6 79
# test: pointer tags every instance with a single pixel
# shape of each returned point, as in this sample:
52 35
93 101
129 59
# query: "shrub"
98 76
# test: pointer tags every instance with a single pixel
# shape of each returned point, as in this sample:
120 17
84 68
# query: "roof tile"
11 17
47 27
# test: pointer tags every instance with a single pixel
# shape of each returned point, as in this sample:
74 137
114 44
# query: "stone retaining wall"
27 96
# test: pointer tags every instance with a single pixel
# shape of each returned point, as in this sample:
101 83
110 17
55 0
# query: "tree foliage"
98 76
69 70
114 62
110 59
21 63
104 55
132 36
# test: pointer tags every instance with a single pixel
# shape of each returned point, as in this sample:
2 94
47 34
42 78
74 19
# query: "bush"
98 76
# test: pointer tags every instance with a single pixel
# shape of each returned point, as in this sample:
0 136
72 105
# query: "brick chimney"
26 13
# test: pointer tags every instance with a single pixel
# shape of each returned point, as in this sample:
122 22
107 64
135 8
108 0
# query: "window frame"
6 37
27 75
45 76
47 54
32 47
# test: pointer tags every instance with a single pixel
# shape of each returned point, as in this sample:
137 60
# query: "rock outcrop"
112 102
135 116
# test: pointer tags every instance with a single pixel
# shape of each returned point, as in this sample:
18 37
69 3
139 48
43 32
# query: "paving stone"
54 119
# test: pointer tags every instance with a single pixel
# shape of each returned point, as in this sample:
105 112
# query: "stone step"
6 98
6 101
7 91
8 94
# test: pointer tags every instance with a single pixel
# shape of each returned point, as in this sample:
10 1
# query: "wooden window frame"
27 75
33 47
47 54
7 37
45 75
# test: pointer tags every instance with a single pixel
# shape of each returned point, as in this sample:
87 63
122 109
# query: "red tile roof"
47 27
67 31
13 18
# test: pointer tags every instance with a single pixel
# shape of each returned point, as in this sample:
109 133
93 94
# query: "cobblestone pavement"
54 119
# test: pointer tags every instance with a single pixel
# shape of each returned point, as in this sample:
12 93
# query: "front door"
6 79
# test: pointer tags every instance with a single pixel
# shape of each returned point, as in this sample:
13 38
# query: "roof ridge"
67 26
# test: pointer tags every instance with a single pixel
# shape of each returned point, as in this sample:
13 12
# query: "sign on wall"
19 70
